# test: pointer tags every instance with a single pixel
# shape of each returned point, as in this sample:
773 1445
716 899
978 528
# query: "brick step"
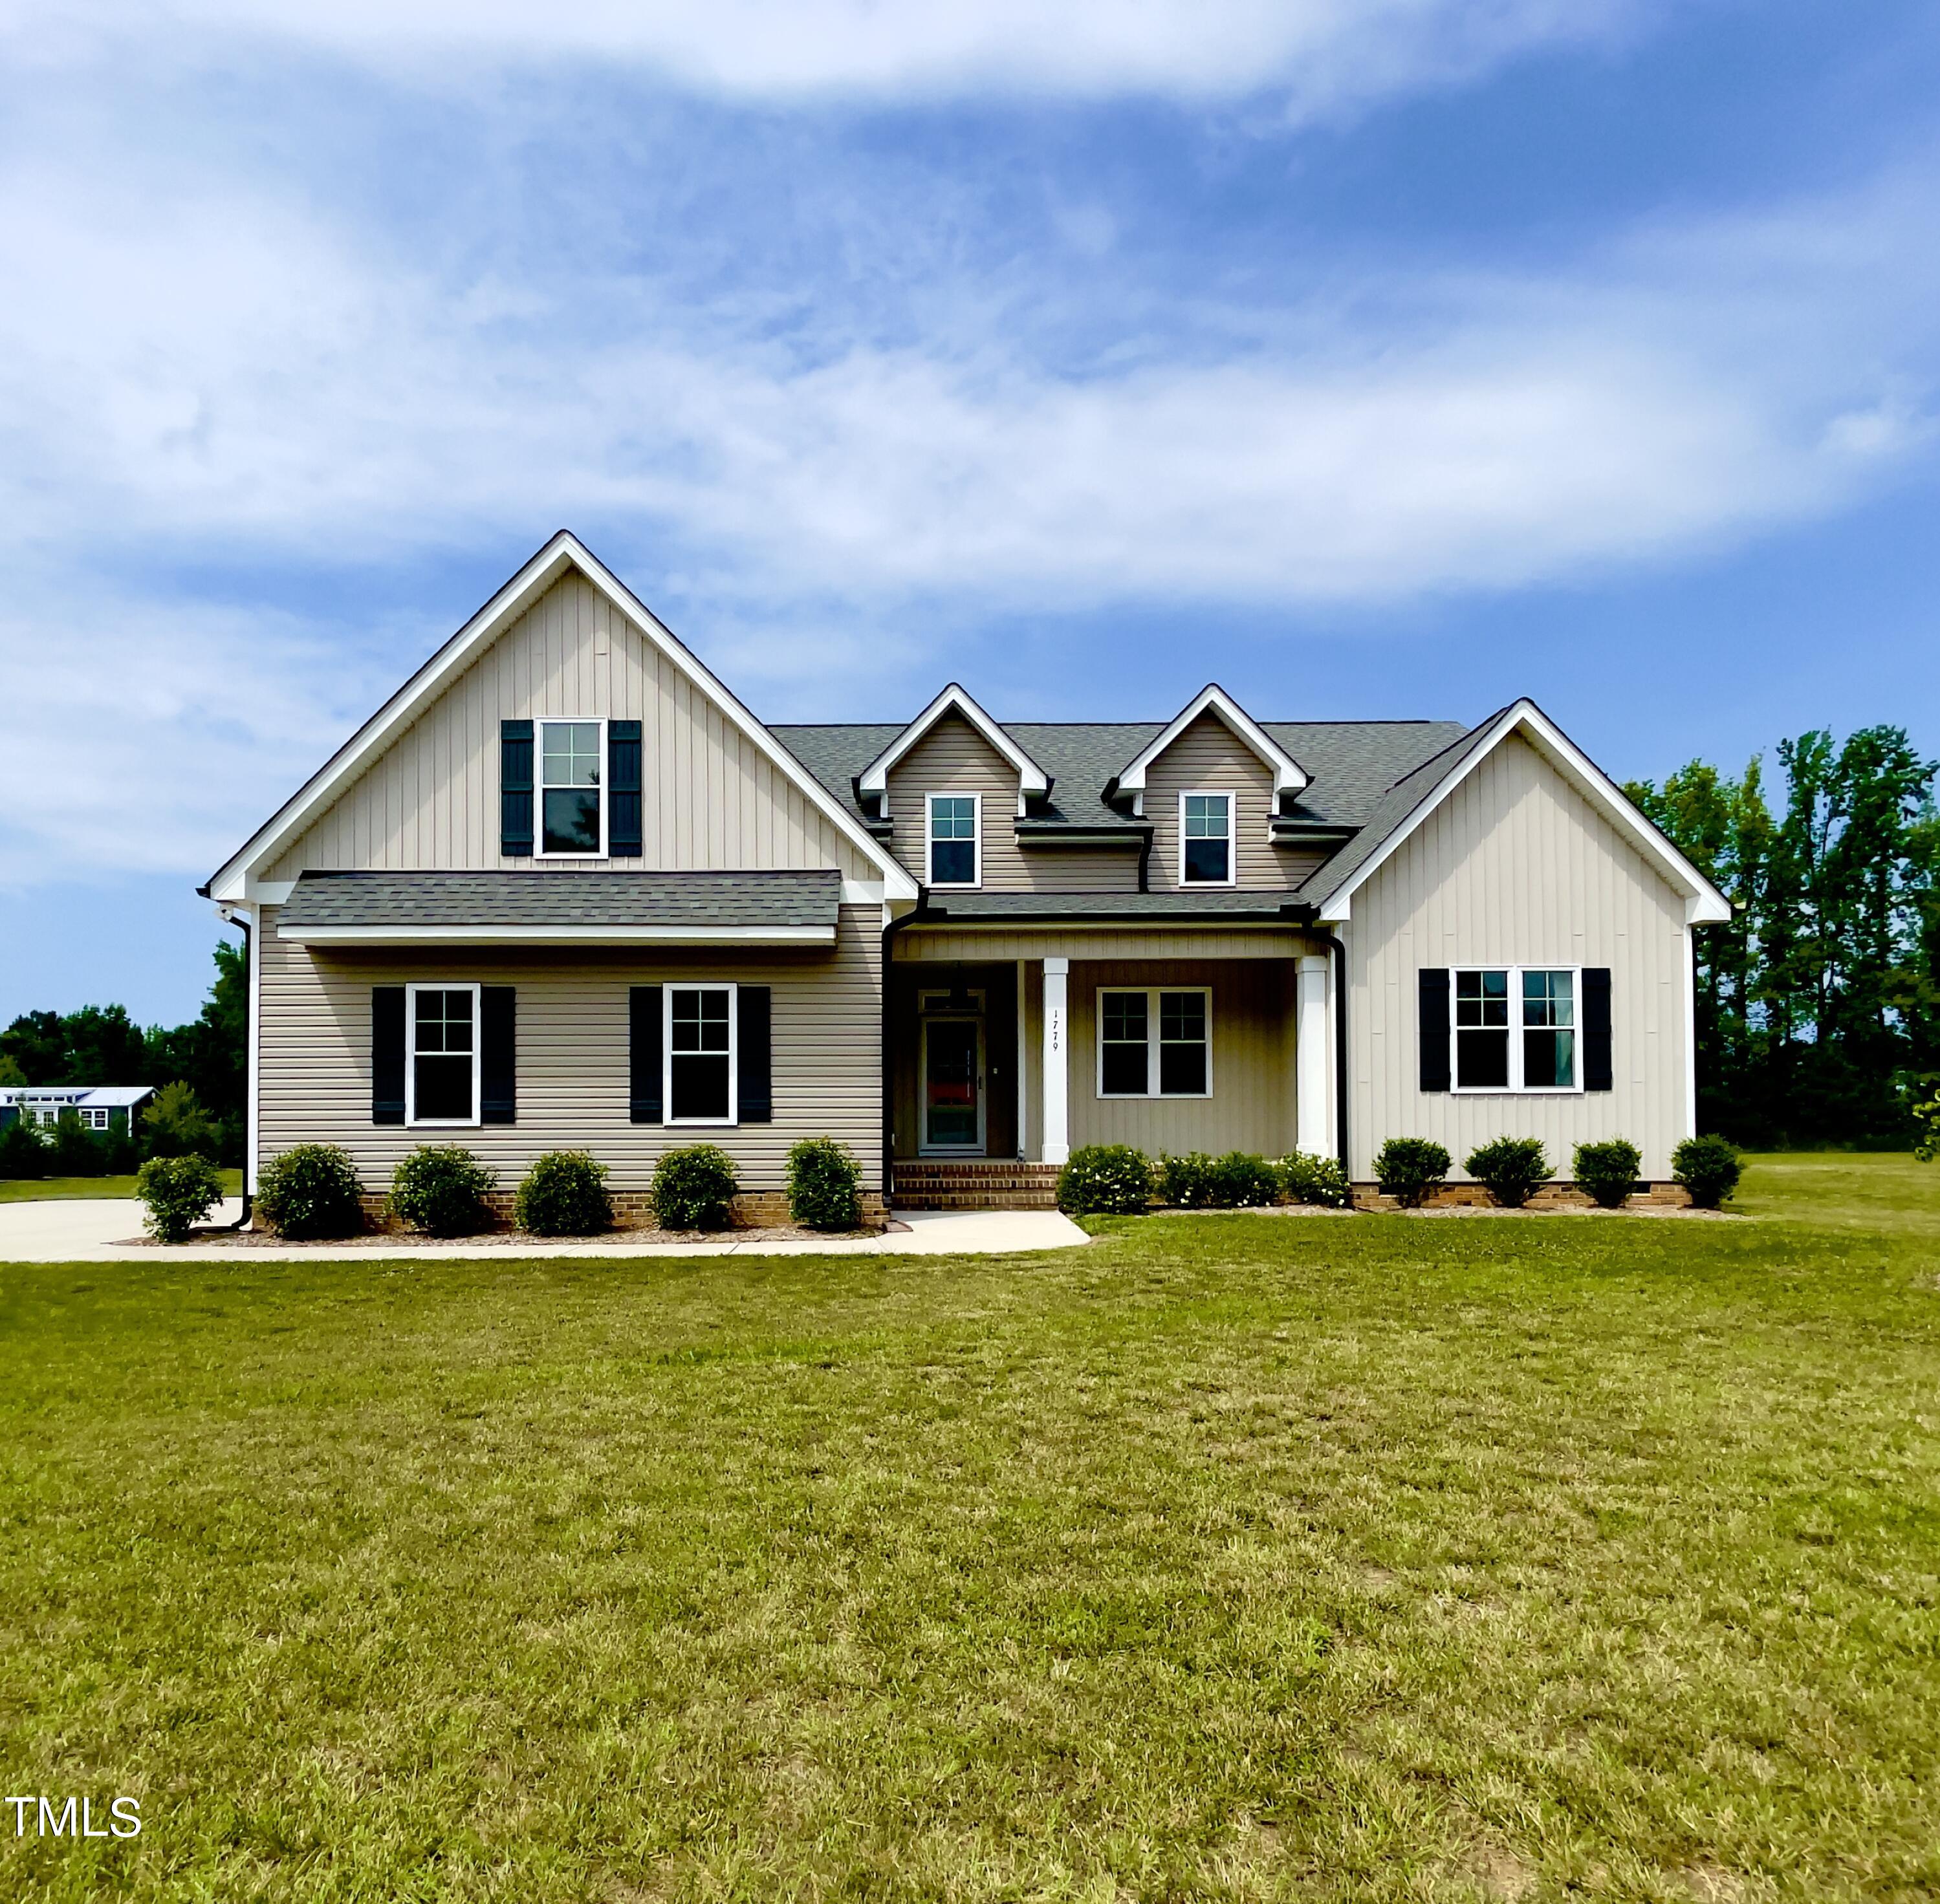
974 1183
965 1200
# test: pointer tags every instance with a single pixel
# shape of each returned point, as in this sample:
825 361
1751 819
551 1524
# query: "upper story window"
572 818
1204 839
955 839
1514 1029
441 1060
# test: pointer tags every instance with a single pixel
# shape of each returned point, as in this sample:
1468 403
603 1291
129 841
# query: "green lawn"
35 1189
1243 1558
1850 1189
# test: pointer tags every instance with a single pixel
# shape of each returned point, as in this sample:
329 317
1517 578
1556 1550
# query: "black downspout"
889 931
1341 1050
247 928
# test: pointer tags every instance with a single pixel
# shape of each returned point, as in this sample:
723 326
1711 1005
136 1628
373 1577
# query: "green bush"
180 1192
1510 1168
1608 1170
176 1125
1926 1123
1187 1182
1306 1178
1407 1167
1237 1181
1105 1180
1709 1168
22 1153
441 1188
311 1191
74 1151
824 1184
564 1194
693 1188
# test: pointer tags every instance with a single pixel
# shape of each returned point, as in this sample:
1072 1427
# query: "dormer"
1289 778
872 784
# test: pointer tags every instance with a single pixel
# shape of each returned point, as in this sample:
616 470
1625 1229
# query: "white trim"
1313 986
254 1113
1289 775
1022 1066
1705 904
558 935
1055 1081
1032 778
1516 1087
669 988
563 551
861 892
540 723
979 1146
1690 1034
412 1119
976 879
1232 878
1152 1094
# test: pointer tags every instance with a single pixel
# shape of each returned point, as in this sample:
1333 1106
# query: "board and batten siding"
711 799
1209 758
573 1056
1516 867
953 758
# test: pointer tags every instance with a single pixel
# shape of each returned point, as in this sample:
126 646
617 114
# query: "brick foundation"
1550 1196
634 1210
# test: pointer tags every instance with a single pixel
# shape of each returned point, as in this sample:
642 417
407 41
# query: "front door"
953 1085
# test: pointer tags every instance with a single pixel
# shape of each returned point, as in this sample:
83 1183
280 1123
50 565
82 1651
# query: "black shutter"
756 1086
1598 1073
515 789
1434 1017
643 1013
623 789
387 1054
498 1054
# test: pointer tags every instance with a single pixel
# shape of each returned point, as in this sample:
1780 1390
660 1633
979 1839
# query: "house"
564 890
101 1107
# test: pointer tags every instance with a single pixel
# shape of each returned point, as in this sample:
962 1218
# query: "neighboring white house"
101 1107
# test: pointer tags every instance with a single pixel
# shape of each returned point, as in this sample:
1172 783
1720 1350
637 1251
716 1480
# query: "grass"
1845 1189
1241 1558
38 1189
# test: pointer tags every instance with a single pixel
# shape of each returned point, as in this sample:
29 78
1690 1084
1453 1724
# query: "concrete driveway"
85 1230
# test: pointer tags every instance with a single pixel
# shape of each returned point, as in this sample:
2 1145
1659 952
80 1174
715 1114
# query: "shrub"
176 1124
1608 1170
1187 1182
824 1180
441 1188
564 1194
1709 1168
22 1153
1107 1180
1242 1181
1408 1168
693 1188
1926 1123
73 1153
180 1192
1306 1178
311 1191
1510 1168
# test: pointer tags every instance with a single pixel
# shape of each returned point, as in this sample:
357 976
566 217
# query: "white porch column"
1056 1146
1313 1122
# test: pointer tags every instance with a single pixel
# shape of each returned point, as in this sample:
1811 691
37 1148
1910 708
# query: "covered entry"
952 1068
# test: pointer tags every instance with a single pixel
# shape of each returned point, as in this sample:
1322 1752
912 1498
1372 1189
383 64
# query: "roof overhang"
1032 779
1703 903
327 935
235 880
1289 775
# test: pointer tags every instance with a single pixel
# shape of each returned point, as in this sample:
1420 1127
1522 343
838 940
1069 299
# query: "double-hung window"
955 845
95 1120
1515 1029
701 1083
572 812
1155 1044
441 1059
1204 839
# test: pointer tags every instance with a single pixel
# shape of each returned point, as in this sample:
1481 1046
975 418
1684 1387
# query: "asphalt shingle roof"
563 896
1274 904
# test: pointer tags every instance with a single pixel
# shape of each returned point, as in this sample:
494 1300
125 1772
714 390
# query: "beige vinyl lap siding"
1209 758
711 798
573 1052
945 945
1516 867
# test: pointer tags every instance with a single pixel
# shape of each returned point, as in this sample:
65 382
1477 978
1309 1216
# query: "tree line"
1819 1004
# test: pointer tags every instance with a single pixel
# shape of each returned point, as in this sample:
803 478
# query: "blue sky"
1386 359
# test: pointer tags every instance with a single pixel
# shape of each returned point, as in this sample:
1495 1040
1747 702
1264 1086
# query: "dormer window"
955 839
1204 839
572 818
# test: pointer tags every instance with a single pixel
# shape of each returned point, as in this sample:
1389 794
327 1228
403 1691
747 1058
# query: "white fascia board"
558 935
564 551
1703 903
1289 775
1032 778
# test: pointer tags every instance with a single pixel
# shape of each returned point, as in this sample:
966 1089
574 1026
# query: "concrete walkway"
84 1230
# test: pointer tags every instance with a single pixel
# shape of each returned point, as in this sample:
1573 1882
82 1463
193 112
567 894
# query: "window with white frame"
1514 1028
441 1067
954 842
1204 839
95 1120
573 809
1156 1042
700 1083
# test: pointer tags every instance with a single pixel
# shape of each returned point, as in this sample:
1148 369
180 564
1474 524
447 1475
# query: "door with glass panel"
952 1085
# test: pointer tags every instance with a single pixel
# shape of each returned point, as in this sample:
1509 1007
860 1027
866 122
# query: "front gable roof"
562 553
1289 777
1032 782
